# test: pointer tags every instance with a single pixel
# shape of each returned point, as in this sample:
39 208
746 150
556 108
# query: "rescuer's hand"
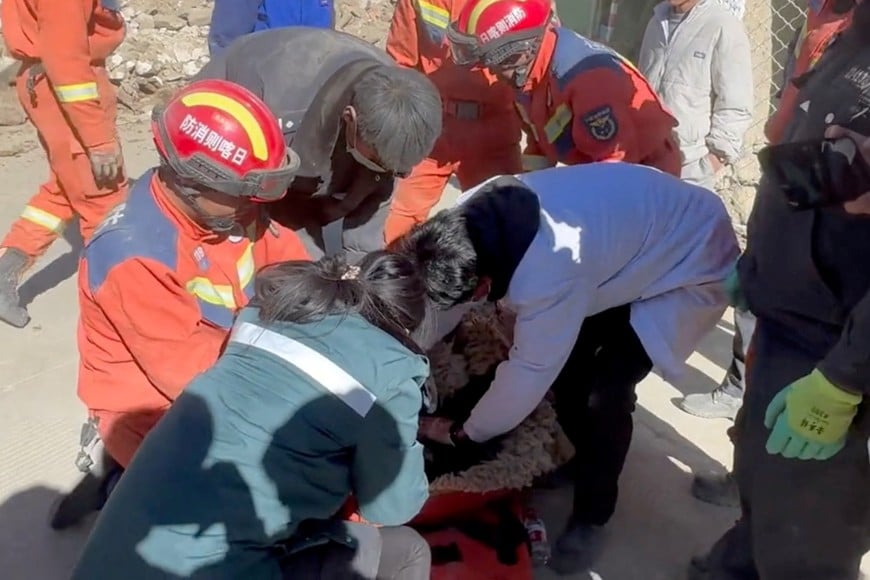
734 292
810 418
435 429
106 163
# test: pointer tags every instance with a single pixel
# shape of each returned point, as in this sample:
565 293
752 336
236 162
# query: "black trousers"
734 382
595 398
801 519
387 553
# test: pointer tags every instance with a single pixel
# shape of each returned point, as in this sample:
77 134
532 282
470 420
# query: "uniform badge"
601 124
201 260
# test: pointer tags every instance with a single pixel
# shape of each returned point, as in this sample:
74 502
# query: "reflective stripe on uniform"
208 291
42 218
77 93
245 266
561 118
319 368
434 15
536 162
223 295
526 121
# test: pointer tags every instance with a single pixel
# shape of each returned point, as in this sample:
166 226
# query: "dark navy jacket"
805 272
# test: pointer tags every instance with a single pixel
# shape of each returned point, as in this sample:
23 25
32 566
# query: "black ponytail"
385 288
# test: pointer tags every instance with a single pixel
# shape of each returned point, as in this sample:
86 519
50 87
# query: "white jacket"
703 74
610 234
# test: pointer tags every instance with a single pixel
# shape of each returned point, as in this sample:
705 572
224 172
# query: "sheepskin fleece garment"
536 447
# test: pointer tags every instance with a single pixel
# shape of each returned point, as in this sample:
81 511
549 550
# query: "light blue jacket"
607 234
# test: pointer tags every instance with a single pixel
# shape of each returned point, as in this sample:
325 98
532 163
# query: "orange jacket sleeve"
603 124
66 57
402 41
160 323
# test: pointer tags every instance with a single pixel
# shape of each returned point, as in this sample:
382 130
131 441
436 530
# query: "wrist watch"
458 436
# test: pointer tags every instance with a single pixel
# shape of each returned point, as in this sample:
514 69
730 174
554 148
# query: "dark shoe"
577 549
88 496
715 405
716 489
13 263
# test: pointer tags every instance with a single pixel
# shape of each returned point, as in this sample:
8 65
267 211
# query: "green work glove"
810 418
732 289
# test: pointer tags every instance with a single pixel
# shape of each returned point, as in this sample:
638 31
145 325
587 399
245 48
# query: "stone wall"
166 43
770 24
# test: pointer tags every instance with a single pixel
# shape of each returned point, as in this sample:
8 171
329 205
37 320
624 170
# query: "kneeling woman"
315 398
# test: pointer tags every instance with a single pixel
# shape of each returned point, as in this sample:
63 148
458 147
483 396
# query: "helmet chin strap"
521 76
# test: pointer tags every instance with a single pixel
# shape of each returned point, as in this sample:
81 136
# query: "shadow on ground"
657 527
57 270
29 548
716 348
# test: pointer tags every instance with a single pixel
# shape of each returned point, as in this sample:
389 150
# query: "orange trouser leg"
473 171
416 195
70 189
123 433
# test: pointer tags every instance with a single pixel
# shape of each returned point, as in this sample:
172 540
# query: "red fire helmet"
221 136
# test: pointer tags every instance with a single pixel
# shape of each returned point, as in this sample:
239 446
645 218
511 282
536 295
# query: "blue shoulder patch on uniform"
575 54
135 228
601 123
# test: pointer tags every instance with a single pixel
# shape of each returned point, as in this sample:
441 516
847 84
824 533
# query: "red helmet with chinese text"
499 34
221 136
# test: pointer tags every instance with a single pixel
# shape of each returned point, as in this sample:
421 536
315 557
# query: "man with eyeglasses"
356 119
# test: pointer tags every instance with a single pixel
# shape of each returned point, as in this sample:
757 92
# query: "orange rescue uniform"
157 296
585 103
64 89
819 30
481 131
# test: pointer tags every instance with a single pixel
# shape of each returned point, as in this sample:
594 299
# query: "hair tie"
351 273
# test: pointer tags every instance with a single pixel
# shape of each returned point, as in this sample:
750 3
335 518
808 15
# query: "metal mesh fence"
771 26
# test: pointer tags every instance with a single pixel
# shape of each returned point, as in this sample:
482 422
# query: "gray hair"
398 115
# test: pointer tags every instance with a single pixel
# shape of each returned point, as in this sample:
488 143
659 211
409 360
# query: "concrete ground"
657 527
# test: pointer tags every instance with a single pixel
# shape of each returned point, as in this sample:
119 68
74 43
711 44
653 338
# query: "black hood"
502 219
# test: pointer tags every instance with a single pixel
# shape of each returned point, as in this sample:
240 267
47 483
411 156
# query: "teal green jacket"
263 449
